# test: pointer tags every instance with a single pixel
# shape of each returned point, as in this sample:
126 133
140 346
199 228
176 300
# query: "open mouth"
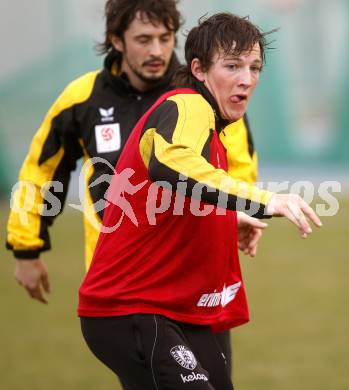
239 98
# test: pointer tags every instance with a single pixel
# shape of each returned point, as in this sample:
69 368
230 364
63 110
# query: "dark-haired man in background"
93 118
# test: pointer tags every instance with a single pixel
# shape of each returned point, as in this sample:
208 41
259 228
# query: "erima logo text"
107 114
194 377
219 298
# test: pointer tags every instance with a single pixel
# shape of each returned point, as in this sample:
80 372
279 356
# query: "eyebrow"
150 35
238 59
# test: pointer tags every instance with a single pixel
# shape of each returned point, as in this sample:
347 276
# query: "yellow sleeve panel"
182 159
195 119
92 221
145 146
241 165
24 223
184 154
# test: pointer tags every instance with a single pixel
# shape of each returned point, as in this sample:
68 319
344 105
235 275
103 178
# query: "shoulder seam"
78 90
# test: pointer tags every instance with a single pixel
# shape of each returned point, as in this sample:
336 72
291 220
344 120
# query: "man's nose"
156 48
245 77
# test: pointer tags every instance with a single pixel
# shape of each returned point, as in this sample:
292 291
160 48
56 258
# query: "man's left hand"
249 233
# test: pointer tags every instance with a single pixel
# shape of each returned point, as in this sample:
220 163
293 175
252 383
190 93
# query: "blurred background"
298 290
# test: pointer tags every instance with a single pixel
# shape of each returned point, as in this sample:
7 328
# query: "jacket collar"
200 87
121 82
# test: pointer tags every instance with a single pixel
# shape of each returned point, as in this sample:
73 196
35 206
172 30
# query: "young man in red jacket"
165 273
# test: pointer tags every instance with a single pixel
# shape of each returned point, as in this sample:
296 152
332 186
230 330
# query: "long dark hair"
120 13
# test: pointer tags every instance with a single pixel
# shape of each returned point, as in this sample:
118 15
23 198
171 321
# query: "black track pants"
224 341
151 352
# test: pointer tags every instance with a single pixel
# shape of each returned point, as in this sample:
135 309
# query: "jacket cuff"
26 254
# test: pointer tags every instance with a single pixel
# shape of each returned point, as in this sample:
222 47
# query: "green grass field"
298 336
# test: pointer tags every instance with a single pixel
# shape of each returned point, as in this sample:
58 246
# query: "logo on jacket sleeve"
108 138
184 357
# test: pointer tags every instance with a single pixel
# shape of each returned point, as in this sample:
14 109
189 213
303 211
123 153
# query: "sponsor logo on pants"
184 356
194 377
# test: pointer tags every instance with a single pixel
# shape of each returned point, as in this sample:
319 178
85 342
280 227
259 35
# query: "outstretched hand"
295 209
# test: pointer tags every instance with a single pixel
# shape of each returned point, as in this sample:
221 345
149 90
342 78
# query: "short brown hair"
221 32
120 13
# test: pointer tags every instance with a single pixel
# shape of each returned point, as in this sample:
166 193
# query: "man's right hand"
295 209
33 276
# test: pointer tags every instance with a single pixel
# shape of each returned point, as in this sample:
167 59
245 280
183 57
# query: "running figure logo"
119 186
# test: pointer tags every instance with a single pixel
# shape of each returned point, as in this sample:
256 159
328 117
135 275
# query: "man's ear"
117 43
196 70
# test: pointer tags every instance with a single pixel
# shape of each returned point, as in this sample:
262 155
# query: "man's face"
232 79
146 50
